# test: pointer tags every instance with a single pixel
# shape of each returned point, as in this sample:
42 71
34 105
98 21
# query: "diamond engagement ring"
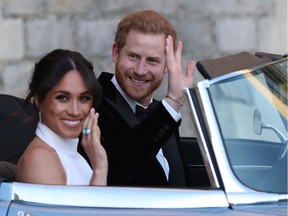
86 131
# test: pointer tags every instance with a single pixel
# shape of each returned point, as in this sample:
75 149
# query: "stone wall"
208 29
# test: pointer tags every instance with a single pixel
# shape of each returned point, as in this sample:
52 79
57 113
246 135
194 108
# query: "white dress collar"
63 145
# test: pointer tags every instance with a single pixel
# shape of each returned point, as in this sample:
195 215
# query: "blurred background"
208 28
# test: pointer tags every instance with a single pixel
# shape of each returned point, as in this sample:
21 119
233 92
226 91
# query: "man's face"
140 65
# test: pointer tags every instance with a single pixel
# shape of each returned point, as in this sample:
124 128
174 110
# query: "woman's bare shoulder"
40 164
37 151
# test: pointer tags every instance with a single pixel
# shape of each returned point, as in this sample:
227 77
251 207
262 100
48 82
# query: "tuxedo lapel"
116 100
124 111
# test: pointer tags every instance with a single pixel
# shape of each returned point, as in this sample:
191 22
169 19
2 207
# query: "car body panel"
113 197
64 211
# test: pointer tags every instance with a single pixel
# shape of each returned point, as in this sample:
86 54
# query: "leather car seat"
17 129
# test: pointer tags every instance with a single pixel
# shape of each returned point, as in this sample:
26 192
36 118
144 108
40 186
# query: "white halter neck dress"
78 171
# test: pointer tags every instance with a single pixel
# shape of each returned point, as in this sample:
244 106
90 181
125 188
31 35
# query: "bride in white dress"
66 92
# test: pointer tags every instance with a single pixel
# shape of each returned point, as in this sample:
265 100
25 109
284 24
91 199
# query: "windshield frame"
230 181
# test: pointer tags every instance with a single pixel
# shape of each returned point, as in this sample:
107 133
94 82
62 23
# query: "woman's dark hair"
52 67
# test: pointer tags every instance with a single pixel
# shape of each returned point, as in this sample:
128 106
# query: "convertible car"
235 165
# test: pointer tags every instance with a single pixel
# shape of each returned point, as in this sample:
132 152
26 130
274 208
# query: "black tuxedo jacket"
132 146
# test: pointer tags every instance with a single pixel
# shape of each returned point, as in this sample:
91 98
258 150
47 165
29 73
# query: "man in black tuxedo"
142 151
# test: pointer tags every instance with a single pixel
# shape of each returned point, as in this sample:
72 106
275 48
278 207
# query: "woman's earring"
40 116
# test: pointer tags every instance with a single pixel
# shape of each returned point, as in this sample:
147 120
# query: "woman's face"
66 106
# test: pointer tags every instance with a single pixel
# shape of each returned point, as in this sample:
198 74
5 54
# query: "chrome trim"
255 197
251 167
203 147
112 197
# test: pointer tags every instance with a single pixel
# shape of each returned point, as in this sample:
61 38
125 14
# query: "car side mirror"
257 122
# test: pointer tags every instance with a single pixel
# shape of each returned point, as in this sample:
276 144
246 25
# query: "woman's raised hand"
94 150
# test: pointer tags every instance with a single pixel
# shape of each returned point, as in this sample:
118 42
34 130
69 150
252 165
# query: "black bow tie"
141 112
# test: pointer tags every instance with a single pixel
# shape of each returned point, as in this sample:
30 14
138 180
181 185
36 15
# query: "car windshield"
251 110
